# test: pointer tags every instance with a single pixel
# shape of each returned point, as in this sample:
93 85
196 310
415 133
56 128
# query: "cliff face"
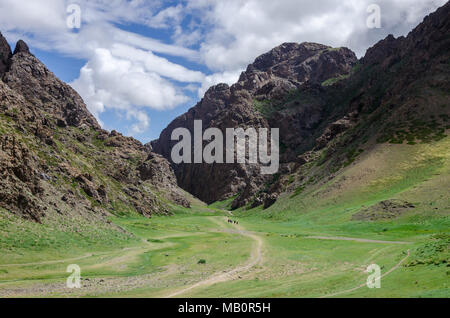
27 76
54 157
273 76
325 103
5 54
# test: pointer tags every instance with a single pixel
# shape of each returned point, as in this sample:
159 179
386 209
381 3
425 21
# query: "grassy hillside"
416 174
159 256
366 182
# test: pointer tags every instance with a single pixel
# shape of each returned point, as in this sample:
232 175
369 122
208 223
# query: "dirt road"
335 238
365 284
255 259
67 260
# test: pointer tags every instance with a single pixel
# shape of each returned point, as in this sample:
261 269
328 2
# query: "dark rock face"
384 210
301 63
54 157
20 181
427 40
157 169
271 77
382 50
21 47
335 129
5 55
29 77
324 106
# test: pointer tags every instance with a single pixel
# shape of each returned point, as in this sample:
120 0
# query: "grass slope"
160 256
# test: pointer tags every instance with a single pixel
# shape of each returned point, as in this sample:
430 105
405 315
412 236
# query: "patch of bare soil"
255 259
93 286
385 210
365 284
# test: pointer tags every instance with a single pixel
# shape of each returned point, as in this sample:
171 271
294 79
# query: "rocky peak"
271 77
427 40
285 52
47 135
5 54
290 65
218 91
434 29
379 52
21 47
28 76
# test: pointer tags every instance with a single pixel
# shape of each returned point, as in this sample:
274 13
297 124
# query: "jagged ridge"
54 156
325 102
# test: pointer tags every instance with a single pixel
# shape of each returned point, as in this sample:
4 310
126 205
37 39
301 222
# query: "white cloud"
128 78
157 64
142 121
115 82
124 71
42 15
167 17
217 78
153 45
238 31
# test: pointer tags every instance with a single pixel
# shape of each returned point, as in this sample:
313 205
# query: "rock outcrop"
55 157
30 78
329 108
5 55
328 105
272 77
20 183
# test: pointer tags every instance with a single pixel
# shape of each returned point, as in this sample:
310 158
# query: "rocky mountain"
55 158
273 76
329 107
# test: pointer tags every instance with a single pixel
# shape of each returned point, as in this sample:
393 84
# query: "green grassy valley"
359 144
313 243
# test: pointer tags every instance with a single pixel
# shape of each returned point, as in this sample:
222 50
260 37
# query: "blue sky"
139 64
68 69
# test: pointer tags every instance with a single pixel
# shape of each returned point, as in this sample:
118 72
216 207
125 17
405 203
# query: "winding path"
336 238
255 259
67 260
365 284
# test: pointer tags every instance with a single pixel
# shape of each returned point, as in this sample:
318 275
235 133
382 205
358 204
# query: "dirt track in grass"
255 259
365 284
360 240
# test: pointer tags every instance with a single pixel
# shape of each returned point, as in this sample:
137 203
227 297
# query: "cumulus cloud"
122 71
238 31
112 81
134 73
167 17
143 121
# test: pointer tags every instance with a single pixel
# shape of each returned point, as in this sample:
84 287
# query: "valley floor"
201 255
